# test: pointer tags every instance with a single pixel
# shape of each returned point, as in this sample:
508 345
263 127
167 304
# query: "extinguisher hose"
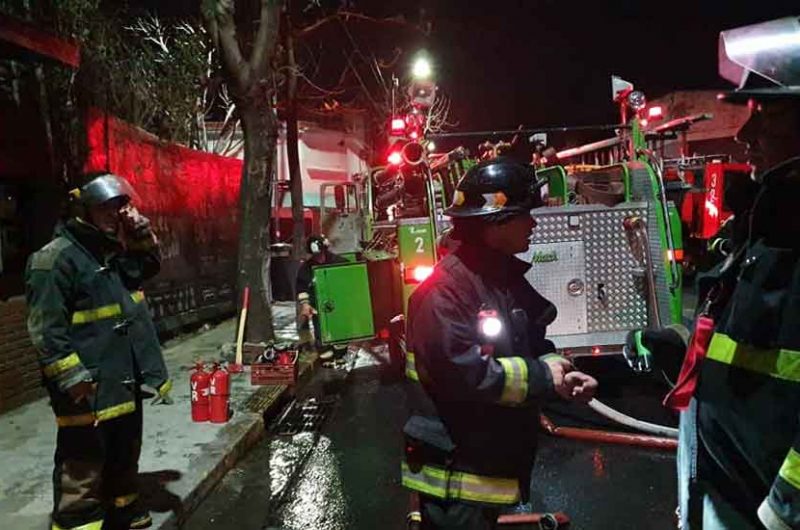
623 419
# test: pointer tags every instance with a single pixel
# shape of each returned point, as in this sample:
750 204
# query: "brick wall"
19 371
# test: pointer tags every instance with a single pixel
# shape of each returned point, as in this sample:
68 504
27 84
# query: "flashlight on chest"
490 327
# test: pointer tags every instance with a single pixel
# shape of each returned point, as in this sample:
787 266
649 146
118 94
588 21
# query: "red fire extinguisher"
220 395
199 382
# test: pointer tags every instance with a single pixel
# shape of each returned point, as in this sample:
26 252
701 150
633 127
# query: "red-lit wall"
192 199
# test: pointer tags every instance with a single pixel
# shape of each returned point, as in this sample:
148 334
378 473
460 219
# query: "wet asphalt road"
346 475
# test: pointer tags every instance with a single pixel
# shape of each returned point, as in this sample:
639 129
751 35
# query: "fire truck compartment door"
344 304
581 261
558 272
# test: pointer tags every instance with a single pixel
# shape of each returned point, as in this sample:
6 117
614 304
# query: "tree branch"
347 15
266 38
221 26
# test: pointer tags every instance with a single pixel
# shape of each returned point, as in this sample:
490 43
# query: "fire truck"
606 250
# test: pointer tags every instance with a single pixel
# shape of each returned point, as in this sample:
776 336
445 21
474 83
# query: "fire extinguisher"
219 395
199 382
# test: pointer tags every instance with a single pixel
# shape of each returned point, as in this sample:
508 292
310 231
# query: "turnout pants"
95 474
451 515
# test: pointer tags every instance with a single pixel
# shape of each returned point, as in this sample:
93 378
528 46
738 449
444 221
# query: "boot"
141 519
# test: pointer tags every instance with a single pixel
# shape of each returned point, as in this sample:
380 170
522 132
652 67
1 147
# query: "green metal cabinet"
343 302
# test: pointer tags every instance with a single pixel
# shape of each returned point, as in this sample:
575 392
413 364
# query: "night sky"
548 62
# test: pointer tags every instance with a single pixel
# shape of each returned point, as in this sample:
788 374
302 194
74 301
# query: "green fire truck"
606 250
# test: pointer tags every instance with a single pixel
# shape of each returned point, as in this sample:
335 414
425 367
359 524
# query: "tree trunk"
260 134
293 149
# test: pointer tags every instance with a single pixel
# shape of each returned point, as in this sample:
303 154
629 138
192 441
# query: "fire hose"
596 435
623 419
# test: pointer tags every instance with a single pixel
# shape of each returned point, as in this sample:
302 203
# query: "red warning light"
655 113
417 274
421 273
596 350
395 158
398 125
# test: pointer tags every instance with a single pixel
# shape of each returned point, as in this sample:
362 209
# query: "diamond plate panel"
614 299
558 272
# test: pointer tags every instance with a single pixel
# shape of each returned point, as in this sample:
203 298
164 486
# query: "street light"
422 68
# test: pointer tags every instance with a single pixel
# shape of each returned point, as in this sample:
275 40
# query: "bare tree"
245 32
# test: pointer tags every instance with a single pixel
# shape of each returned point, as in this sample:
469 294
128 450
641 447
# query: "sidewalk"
181 461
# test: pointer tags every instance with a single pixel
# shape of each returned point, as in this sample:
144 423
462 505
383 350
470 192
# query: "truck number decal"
420 245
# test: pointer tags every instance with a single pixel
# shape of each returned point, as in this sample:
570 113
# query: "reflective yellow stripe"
137 297
515 388
125 500
458 485
62 365
778 363
790 470
99 313
103 415
165 389
411 366
94 525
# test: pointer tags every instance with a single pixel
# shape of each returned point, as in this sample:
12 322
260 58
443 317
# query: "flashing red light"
414 135
395 158
596 350
398 125
643 123
655 113
421 273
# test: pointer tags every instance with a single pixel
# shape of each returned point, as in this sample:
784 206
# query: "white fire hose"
623 419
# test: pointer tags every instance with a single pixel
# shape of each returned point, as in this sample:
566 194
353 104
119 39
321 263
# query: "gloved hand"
133 222
164 397
669 343
137 228
639 357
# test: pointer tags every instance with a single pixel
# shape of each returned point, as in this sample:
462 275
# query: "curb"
264 403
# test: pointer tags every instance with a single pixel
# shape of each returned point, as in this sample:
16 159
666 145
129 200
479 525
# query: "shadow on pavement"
155 495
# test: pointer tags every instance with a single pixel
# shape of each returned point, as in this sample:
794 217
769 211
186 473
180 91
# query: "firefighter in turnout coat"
478 363
739 454
97 345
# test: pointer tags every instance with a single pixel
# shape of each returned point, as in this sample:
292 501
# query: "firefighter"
97 345
739 390
478 364
318 248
